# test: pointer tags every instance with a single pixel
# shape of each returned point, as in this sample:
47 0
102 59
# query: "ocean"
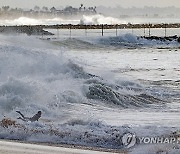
92 90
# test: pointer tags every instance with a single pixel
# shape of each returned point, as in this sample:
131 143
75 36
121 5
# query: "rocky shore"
167 38
29 30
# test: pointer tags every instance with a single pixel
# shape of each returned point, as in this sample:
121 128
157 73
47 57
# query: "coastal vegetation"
45 12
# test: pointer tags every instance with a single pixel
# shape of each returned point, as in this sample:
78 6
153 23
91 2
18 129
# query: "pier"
41 29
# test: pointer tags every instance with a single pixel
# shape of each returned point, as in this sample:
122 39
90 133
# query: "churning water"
90 90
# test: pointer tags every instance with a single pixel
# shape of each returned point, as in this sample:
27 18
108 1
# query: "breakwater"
40 29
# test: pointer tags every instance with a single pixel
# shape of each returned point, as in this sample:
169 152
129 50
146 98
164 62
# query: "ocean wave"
127 41
85 19
93 19
78 43
131 97
37 76
99 19
70 97
34 21
132 41
84 133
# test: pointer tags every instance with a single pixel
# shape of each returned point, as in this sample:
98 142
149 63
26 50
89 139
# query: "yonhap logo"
129 140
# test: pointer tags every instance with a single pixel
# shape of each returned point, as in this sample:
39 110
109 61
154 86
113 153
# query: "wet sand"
14 147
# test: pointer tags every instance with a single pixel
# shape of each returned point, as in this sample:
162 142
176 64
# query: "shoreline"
62 147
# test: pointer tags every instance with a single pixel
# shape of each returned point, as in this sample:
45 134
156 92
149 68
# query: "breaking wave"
127 41
45 79
33 21
37 76
75 43
99 19
78 132
132 41
94 19
85 19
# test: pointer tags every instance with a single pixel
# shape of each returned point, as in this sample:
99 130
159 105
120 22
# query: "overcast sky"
76 3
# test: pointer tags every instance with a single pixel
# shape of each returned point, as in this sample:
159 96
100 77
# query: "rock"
29 30
178 39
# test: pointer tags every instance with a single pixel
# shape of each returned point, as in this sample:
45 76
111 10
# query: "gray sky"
76 3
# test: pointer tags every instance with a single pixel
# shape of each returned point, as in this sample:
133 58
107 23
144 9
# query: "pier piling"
102 30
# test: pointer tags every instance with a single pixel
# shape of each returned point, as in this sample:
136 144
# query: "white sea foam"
81 102
94 19
85 19
33 21
127 40
100 19
132 41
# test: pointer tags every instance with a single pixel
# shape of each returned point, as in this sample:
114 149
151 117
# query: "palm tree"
36 8
94 9
44 8
80 8
5 8
53 9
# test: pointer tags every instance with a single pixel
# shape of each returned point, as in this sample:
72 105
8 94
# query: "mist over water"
33 21
90 91
85 19
48 71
